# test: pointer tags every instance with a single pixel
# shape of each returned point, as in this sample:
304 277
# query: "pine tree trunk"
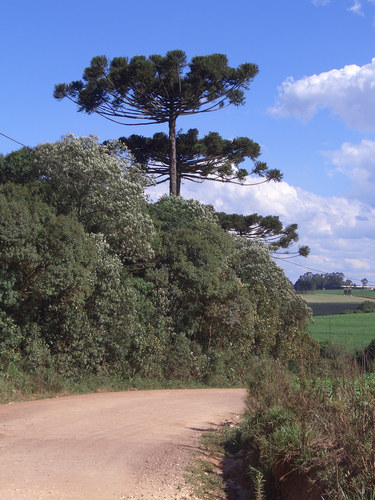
172 158
178 183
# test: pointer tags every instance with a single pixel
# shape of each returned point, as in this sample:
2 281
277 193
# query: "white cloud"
359 264
319 3
357 162
348 92
340 232
356 8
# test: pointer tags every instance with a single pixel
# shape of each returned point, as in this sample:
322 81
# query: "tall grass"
317 424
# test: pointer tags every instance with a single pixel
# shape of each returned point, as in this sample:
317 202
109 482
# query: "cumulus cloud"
348 92
340 232
357 162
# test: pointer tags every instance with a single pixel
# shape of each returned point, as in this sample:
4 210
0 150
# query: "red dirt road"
128 445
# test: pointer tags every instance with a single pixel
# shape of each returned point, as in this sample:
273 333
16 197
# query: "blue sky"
312 106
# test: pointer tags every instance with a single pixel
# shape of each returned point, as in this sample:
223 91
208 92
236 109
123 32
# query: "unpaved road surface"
128 445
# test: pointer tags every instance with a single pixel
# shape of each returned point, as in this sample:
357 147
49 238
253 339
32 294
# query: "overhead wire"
14 140
322 272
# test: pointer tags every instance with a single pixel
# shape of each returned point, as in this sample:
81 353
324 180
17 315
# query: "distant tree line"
326 281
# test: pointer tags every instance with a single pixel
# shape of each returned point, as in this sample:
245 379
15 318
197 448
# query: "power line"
14 140
320 271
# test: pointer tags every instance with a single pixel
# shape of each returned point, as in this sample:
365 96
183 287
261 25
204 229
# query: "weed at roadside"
219 469
314 429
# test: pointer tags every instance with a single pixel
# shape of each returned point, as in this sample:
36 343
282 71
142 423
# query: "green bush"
367 307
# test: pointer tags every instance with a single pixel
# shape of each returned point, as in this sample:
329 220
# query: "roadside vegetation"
102 290
309 426
99 288
308 432
311 431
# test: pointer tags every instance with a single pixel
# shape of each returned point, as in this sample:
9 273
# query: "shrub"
367 307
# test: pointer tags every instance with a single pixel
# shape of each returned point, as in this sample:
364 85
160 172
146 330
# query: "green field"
332 303
353 331
357 292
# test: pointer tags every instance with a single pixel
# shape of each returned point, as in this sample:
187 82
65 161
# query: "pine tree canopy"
158 89
211 158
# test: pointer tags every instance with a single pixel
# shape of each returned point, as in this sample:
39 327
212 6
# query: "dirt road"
128 445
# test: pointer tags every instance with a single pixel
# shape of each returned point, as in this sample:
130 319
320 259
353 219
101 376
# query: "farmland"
357 292
332 303
352 331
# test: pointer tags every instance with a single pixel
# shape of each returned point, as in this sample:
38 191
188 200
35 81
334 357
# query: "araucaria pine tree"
158 89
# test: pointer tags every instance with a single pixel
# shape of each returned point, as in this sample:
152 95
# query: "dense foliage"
94 279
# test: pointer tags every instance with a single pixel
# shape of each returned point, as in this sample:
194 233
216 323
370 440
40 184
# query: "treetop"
158 88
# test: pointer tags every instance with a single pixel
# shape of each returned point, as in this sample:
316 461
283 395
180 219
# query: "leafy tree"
364 282
172 211
63 291
18 167
64 294
281 315
94 280
207 302
211 157
348 283
268 229
46 261
158 89
96 334
101 189
194 252
305 283
333 281
225 296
